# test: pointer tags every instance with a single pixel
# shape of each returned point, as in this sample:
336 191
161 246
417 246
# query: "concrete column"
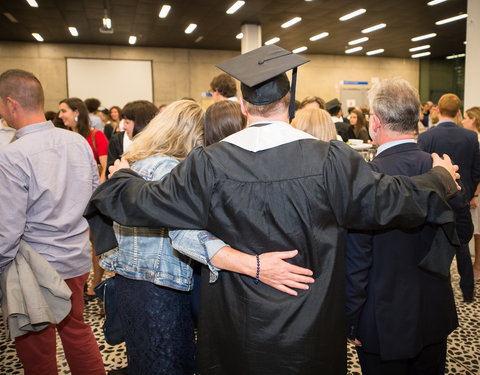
472 58
252 37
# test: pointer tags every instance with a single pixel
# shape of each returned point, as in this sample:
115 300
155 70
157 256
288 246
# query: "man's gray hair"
396 103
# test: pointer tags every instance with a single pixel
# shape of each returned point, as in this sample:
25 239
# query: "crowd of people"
259 227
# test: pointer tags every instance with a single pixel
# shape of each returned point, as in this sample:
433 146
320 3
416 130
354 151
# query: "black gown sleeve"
115 150
180 200
365 200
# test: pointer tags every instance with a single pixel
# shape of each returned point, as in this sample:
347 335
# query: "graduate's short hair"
449 105
266 110
313 99
24 87
317 122
396 103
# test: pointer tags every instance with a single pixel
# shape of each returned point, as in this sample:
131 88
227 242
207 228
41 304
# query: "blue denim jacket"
159 255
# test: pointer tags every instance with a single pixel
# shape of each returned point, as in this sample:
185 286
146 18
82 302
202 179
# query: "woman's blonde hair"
173 132
474 113
317 122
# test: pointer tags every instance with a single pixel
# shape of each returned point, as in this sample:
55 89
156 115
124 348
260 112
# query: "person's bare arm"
274 270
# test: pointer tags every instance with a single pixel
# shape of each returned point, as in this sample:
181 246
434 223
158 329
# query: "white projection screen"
113 82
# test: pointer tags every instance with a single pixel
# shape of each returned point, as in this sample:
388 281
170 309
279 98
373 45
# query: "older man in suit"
462 146
398 314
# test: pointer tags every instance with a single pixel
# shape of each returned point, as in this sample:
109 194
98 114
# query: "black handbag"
112 327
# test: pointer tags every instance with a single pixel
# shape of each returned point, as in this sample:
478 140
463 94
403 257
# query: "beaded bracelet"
258 270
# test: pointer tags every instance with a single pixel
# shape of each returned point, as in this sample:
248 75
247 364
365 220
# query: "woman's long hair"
173 132
316 122
222 119
83 121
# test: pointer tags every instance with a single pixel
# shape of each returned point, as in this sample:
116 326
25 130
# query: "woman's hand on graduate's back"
119 164
281 275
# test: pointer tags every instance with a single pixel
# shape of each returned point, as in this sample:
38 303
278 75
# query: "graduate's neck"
280 116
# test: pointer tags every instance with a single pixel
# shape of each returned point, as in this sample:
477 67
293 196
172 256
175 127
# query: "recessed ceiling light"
352 50
423 54
299 49
132 39
164 11
199 39
73 31
38 37
353 14
272 41
374 28
455 56
107 23
451 19
375 52
421 37
357 41
235 7
319 36
293 21
239 36
10 17
190 28
435 2
465 42
32 3
419 48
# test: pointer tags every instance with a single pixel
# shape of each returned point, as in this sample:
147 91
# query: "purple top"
47 176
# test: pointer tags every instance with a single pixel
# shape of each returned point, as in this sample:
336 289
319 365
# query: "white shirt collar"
387 145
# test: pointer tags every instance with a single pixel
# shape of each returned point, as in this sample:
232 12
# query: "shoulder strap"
95 145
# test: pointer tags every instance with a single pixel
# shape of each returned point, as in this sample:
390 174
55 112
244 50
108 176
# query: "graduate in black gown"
272 187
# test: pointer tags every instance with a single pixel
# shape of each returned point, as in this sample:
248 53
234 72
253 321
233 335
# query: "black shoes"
468 299
120 371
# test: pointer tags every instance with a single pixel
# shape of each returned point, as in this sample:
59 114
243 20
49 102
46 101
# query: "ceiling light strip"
239 36
32 3
319 36
272 41
38 37
374 28
190 28
451 19
358 41
73 30
164 11
299 49
292 22
455 56
132 39
235 7
435 2
353 50
419 48
422 37
353 14
375 52
423 54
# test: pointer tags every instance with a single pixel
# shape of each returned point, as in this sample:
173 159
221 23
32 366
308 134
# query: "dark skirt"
158 328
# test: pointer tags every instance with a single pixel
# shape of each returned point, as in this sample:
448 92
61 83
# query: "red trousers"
37 350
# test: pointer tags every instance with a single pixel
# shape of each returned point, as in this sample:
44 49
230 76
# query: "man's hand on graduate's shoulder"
446 163
119 164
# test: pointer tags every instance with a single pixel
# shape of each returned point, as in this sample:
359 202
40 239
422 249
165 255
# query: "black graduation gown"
274 188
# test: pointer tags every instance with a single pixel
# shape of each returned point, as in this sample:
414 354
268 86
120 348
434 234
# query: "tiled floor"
463 344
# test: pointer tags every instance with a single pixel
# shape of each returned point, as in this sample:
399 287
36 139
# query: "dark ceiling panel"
217 30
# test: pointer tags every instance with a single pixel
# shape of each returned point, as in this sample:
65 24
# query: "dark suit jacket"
462 147
394 307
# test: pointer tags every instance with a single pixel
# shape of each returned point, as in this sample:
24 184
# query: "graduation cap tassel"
291 107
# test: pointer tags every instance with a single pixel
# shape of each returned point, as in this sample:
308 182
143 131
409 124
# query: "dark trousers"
430 361
465 270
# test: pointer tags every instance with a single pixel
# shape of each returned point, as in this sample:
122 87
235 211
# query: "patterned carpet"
463 355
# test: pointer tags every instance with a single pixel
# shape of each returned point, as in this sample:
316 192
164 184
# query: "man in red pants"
46 178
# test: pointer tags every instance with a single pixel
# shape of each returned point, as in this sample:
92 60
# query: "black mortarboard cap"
262 74
333 104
